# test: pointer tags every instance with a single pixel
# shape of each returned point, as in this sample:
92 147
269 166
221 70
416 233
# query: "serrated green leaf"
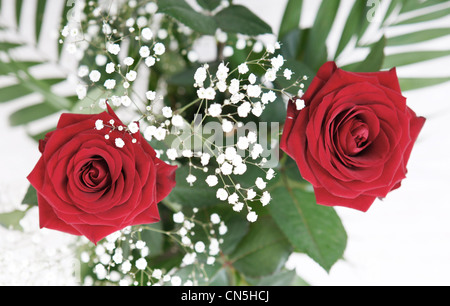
291 18
239 19
184 13
402 59
312 229
263 251
417 37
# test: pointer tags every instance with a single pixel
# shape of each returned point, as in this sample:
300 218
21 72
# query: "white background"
403 240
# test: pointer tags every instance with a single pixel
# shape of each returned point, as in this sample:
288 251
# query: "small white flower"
114 49
254 91
252 79
126 267
205 159
159 49
141 264
177 121
131 76
99 124
215 219
244 109
222 72
215 110
147 34
119 143
178 217
260 183
151 95
243 68
157 273
257 109
167 112
110 84
251 194
144 51
81 91
234 86
287 74
200 76
222 194
133 127
199 247
150 61
83 71
176 281
126 101
191 179
233 199
240 169
210 260
270 174
252 217
110 68
172 154
160 133
227 126
238 207
270 75
277 62
223 229
212 180
299 104
268 97
128 61
95 76
243 143
265 199
226 168
256 151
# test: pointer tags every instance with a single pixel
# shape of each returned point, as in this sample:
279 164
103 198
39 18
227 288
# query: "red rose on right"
353 139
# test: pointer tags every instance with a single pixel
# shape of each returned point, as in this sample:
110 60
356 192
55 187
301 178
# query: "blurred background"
402 240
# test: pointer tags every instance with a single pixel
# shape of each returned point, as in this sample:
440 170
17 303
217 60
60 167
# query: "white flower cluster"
111 263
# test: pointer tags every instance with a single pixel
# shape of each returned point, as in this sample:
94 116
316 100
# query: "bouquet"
191 145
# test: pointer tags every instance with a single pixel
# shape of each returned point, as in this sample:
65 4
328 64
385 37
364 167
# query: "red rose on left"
91 185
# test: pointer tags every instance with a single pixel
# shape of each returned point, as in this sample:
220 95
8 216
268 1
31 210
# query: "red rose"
353 138
93 185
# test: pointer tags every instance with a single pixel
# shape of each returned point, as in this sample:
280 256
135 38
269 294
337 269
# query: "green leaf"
291 18
417 37
239 19
355 20
153 239
312 229
210 5
40 10
283 278
427 17
199 195
316 50
373 62
184 13
412 5
402 59
417 83
31 113
263 251
6 46
12 219
30 198
13 92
